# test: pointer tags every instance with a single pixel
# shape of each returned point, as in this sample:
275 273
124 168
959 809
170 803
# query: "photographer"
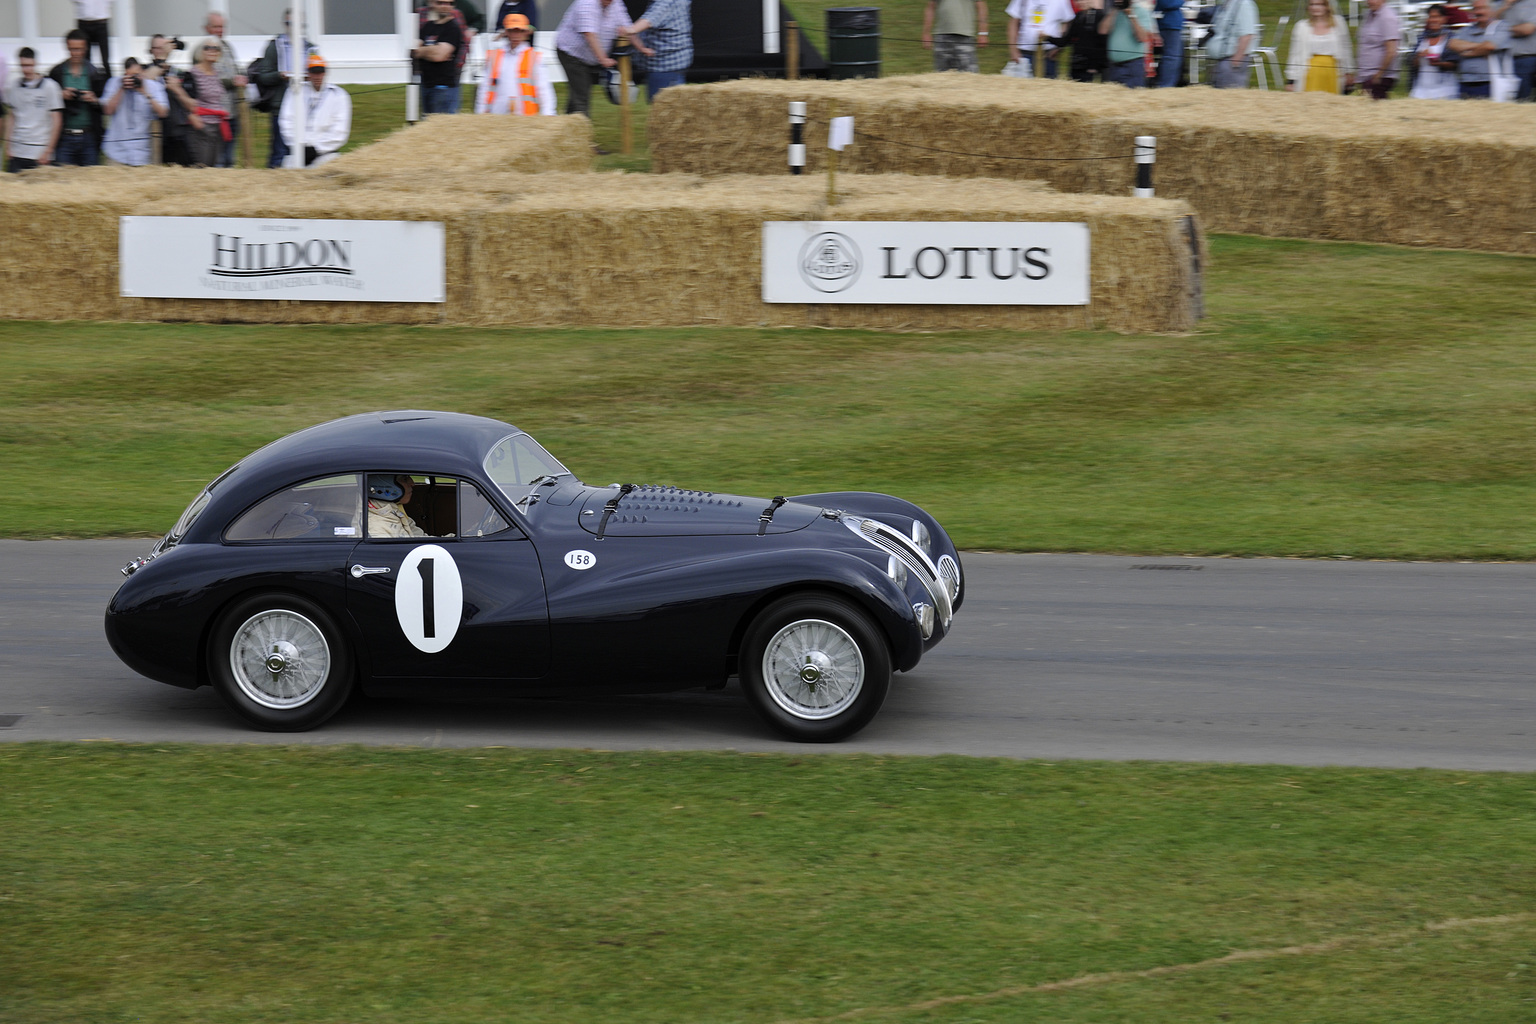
173 125
133 102
81 83
1128 29
1085 34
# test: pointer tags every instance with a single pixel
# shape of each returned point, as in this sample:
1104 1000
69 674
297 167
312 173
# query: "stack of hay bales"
1413 172
471 145
571 247
58 260
675 250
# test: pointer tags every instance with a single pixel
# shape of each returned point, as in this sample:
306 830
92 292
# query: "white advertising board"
1001 263
269 258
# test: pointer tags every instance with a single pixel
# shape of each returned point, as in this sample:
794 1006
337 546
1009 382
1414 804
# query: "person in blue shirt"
668 29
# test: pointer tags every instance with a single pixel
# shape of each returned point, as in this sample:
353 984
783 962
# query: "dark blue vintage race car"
438 554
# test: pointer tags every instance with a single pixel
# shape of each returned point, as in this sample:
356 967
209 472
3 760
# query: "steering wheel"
487 519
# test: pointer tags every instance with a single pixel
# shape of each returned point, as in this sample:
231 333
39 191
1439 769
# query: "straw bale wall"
578 248
471 145
675 250
1412 172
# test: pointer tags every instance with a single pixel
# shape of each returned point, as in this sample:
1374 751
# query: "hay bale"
695 251
469 145
569 248
59 260
1412 172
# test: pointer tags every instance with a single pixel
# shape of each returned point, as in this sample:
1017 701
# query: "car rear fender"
344 622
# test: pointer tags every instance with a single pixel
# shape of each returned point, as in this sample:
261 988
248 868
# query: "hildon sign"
270 258
926 262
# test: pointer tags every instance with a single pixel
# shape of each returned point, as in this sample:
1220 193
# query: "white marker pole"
1146 156
300 61
405 35
796 136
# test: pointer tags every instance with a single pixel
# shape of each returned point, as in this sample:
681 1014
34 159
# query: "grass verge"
1332 404
193 883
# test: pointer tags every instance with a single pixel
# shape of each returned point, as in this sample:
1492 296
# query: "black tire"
316 674
834 637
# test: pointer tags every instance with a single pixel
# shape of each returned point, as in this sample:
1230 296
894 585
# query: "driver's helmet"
384 487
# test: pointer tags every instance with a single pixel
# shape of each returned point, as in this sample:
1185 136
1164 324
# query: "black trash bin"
853 42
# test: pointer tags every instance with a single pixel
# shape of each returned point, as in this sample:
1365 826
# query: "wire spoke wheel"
280 659
813 669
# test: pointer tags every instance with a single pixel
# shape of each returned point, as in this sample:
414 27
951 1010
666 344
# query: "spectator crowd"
79 112
1486 50
150 110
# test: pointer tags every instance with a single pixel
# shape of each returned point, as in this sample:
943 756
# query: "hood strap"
767 516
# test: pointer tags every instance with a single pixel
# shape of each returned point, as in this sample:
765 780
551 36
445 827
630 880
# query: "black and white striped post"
1146 156
796 136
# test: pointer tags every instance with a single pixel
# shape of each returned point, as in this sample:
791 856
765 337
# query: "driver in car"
387 517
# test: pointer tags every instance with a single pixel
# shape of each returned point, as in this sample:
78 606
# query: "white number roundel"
579 559
429 598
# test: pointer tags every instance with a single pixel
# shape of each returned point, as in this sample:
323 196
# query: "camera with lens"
1122 5
178 43
130 81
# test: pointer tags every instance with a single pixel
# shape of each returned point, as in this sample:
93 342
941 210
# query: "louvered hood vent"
651 510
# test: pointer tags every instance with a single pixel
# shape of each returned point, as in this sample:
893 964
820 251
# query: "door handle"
359 571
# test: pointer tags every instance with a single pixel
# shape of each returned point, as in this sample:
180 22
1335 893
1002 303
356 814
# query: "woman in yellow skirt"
1321 59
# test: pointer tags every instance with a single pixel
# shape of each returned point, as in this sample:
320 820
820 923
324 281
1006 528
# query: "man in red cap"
327 113
514 81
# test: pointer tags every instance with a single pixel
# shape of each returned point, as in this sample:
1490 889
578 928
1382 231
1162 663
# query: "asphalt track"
1054 656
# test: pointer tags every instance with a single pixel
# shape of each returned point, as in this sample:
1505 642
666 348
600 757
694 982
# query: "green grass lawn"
254 884
1340 400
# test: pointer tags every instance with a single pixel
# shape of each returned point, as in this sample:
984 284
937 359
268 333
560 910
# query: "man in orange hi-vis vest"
514 81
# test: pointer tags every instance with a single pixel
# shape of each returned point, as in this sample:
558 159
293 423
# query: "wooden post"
792 50
831 158
155 154
245 131
626 137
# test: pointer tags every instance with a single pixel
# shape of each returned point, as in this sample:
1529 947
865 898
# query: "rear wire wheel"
279 662
815 667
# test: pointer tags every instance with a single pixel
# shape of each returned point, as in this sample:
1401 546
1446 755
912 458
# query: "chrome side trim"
893 542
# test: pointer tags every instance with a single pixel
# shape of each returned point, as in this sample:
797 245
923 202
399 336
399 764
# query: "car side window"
477 516
410 506
330 508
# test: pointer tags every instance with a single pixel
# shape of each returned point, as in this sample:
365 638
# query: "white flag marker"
840 134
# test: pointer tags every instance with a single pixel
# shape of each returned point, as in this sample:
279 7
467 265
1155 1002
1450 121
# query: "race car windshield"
517 463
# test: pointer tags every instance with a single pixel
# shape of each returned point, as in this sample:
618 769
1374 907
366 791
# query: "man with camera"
1129 30
81 82
173 124
133 102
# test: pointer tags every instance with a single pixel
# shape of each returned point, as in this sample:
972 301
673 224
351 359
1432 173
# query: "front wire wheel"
280 663
815 668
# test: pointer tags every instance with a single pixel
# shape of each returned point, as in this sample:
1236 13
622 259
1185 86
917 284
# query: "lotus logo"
830 262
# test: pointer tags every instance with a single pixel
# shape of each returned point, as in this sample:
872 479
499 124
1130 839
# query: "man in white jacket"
514 81
327 115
